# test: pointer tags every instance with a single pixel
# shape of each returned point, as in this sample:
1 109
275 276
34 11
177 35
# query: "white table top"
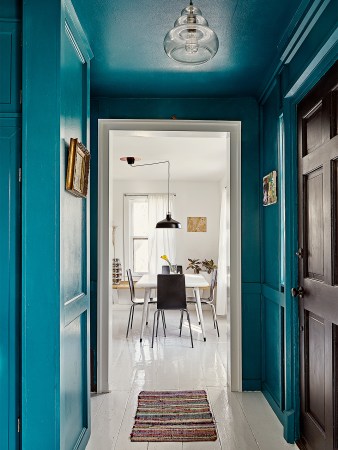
191 281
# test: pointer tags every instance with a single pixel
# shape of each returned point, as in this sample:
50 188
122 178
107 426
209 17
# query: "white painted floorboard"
244 421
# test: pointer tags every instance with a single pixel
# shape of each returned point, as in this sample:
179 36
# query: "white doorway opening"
107 128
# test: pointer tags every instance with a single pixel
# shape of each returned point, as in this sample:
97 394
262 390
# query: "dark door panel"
318 236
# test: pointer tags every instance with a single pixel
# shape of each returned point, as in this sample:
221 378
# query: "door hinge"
19 424
20 174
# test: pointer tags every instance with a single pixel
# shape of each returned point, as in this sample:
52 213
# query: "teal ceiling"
129 60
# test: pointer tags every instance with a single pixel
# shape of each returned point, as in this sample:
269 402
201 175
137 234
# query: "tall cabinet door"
10 151
318 268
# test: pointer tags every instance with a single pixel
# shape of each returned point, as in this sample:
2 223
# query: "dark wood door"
318 263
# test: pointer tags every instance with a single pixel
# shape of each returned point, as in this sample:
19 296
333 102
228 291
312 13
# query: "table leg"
199 307
144 313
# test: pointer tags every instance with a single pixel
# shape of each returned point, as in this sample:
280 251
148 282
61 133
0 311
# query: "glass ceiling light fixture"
168 222
191 41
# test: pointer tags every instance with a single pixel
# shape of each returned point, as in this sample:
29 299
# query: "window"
138 234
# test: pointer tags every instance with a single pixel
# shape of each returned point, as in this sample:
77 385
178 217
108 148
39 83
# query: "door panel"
10 251
317 165
75 374
315 371
74 255
314 225
10 79
273 333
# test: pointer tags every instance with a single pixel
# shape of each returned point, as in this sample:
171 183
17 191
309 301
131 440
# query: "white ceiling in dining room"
191 158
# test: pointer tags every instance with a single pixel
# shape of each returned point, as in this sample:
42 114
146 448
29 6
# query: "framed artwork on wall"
196 224
77 169
270 188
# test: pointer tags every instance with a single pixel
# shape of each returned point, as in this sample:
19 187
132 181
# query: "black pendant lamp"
168 222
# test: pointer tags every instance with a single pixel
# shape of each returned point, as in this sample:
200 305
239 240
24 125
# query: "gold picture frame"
270 188
77 169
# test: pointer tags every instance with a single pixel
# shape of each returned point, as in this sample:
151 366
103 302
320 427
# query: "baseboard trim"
251 385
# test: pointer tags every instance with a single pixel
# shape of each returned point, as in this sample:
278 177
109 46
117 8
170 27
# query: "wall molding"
297 31
300 33
316 61
77 34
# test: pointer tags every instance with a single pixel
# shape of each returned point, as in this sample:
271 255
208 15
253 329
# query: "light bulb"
191 43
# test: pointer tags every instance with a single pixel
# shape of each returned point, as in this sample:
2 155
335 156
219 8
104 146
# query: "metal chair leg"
132 306
215 318
152 339
158 316
198 315
147 319
181 322
132 318
188 317
163 323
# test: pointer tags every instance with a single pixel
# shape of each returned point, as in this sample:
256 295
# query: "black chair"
134 301
166 270
209 300
171 295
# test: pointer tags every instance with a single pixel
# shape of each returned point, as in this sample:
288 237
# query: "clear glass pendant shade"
191 41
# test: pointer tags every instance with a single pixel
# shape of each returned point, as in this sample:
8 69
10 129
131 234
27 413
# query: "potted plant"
209 265
195 265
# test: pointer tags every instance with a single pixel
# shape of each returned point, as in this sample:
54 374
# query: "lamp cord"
153 164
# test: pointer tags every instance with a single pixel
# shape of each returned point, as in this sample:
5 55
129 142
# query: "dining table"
192 281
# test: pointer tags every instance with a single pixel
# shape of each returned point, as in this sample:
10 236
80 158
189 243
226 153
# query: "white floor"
245 421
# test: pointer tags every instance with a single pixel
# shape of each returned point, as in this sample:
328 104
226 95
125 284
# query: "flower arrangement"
171 267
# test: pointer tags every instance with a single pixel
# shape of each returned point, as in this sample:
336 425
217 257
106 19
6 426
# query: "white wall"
192 199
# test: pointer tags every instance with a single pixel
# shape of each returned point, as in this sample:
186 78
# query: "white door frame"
105 217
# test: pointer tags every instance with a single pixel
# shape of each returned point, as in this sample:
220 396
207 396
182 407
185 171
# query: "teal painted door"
10 156
74 251
55 228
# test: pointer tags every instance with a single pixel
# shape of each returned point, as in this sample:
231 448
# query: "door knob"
300 253
297 292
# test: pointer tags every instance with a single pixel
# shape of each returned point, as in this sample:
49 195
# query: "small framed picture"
270 188
196 224
77 169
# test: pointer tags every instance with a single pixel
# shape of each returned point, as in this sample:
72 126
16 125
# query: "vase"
116 271
173 269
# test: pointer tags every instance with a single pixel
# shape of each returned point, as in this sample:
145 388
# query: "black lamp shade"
168 222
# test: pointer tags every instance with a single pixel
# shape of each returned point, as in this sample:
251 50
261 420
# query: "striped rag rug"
173 416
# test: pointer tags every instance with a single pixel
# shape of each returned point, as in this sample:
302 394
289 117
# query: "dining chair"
171 295
166 269
208 300
135 302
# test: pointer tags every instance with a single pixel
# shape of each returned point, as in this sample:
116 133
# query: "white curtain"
161 241
223 258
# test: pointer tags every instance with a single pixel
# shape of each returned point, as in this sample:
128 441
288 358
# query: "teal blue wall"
310 55
55 254
10 221
245 110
